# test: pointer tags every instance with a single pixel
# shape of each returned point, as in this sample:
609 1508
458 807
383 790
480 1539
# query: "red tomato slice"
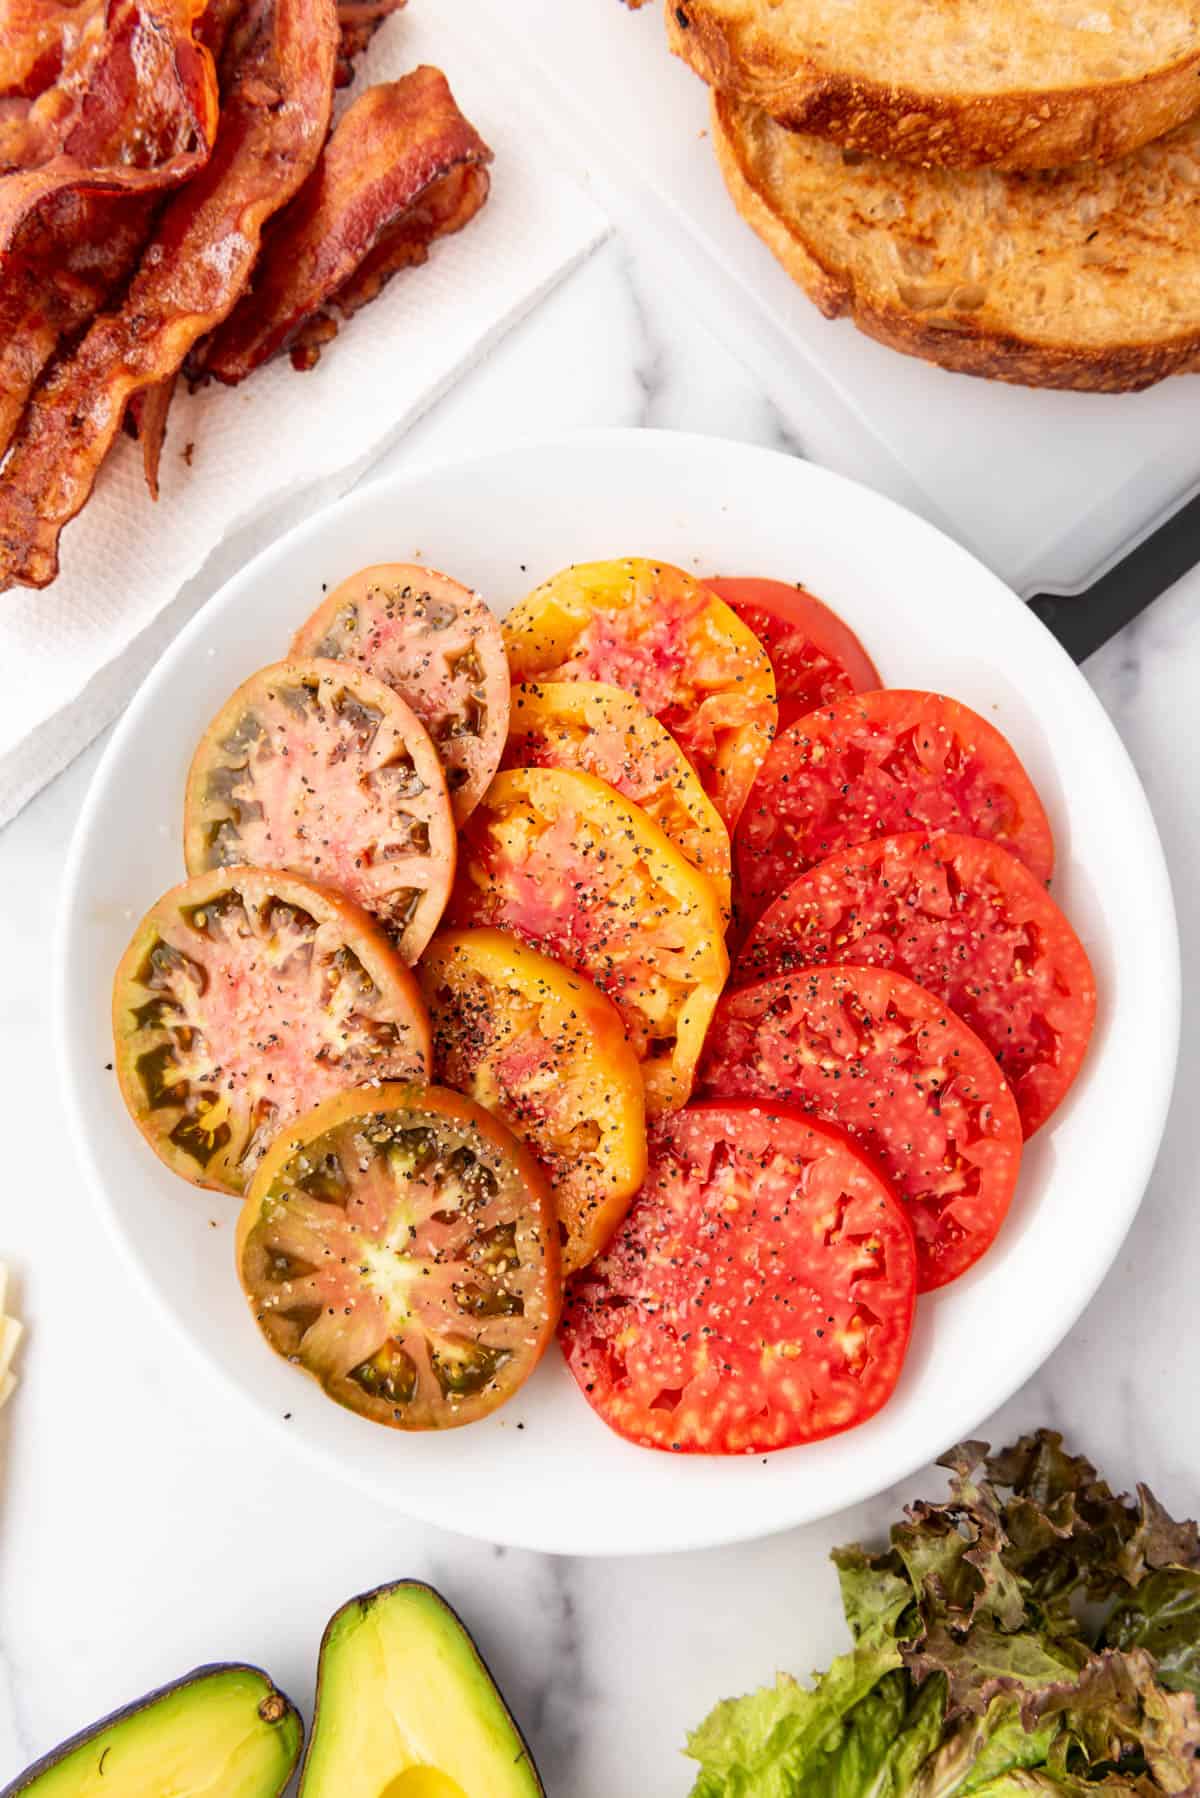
759 1293
902 1075
878 763
816 657
439 646
962 917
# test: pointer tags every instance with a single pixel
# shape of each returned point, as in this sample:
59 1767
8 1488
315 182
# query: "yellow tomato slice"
564 862
545 1051
659 635
597 729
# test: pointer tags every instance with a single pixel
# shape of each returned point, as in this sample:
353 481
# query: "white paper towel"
284 442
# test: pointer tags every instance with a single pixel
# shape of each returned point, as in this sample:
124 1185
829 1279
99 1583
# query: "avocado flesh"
222 1732
407 1709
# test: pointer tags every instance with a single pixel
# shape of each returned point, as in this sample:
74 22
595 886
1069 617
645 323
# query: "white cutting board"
1047 488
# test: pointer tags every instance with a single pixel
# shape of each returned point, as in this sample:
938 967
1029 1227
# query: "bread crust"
1017 130
965 344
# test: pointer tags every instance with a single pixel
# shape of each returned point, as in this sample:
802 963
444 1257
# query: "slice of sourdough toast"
953 83
1086 278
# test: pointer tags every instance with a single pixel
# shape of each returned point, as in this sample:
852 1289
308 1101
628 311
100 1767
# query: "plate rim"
367 492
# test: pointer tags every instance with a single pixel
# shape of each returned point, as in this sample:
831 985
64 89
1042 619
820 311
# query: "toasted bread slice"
944 83
1086 278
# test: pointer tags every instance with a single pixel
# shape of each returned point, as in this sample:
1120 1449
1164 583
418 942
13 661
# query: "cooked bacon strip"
358 21
403 167
216 32
449 205
148 417
135 110
225 29
445 207
274 119
36 38
70 241
73 256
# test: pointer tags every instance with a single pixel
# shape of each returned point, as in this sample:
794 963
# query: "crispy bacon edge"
274 120
71 232
402 168
135 112
72 257
358 21
37 37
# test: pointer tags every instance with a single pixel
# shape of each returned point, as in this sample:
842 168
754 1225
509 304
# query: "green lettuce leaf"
1116 1715
983 1664
1164 1618
875 1593
987 1662
766 1744
978 1750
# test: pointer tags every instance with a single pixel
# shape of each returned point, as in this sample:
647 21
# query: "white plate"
932 617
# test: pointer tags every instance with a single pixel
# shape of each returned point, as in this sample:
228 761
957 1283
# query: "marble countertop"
146 1526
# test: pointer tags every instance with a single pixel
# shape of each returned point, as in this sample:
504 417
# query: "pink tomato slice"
243 999
319 768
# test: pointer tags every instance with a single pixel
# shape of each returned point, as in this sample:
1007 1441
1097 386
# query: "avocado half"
220 1732
406 1707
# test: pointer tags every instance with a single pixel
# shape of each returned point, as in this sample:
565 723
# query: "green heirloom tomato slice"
902 1075
875 764
440 646
401 1247
758 1294
244 998
964 919
321 769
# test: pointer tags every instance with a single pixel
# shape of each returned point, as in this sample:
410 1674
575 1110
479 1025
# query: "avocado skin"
288 1724
335 1769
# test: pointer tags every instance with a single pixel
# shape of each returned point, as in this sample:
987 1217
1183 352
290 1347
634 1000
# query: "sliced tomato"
816 656
319 768
440 646
569 866
546 1051
759 1293
963 918
902 1075
878 763
400 1246
599 730
244 998
659 635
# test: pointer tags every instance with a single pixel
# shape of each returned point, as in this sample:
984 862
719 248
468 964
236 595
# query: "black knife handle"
1083 622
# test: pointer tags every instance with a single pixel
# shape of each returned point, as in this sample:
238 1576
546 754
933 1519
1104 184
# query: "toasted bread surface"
1086 278
952 83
